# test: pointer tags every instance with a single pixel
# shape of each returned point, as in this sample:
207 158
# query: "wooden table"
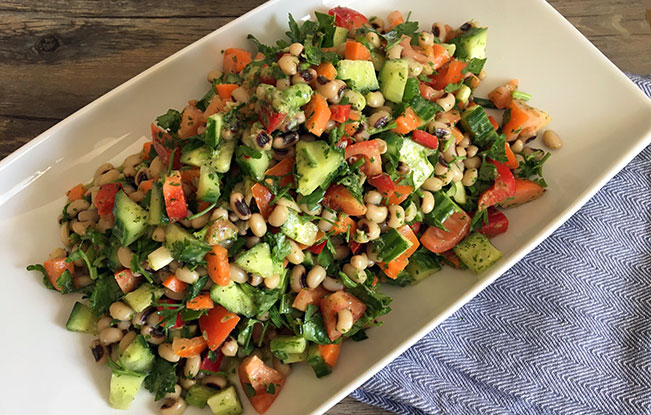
58 56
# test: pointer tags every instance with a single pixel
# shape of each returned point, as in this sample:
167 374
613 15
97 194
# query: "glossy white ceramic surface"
603 119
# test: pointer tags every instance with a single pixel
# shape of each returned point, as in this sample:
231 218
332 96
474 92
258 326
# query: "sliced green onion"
520 95
196 215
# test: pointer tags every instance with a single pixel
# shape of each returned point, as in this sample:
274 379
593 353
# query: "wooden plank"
45 59
130 8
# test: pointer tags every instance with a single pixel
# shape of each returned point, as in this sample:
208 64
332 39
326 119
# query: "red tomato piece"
339 198
450 74
348 18
425 139
370 150
126 280
383 183
175 204
340 113
502 189
438 241
306 297
191 120
106 197
355 247
400 194
212 365
269 118
262 383
497 223
164 146
335 302
55 267
173 305
217 325
317 248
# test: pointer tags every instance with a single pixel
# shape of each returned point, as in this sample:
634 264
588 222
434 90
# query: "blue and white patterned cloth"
567 330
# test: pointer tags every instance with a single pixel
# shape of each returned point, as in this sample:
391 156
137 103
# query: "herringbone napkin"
565 331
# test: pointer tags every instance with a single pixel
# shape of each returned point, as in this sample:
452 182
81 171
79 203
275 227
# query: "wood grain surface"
57 56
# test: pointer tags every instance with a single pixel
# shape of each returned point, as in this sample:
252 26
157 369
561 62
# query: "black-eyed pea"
397 215
166 351
173 407
126 341
552 140
344 320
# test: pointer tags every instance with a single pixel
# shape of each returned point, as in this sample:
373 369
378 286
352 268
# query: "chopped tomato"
425 139
76 192
407 122
236 59
370 151
524 121
269 118
512 162
191 120
175 204
335 302
525 191
317 248
105 198
225 90
355 247
212 365
340 113
164 146
383 183
393 268
126 280
400 194
438 241
343 224
262 383
348 18
263 197
339 198
497 223
146 149
217 325
188 347
503 94
502 189
172 305
306 297
416 226
55 267
450 74
282 169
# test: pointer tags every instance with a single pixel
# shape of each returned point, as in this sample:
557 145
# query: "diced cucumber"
295 357
411 153
472 44
213 133
225 402
157 212
422 264
257 260
457 192
299 228
183 246
393 78
196 157
123 389
314 359
130 219
477 252
143 296
254 168
361 73
444 207
463 93
339 36
82 319
475 122
209 187
138 356
282 346
411 90
390 245
198 395
234 299
221 161
159 258
316 163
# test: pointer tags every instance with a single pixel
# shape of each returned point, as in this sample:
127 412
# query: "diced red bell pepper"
264 383
340 113
339 198
502 189
175 204
335 302
415 226
317 248
173 305
497 223
106 197
370 150
210 365
217 325
269 118
348 18
355 247
383 183
425 139
400 194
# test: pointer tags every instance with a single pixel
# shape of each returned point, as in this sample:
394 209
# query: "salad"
256 229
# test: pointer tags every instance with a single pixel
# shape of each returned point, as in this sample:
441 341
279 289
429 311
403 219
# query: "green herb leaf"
106 292
196 288
474 66
40 268
162 378
313 326
170 121
394 36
